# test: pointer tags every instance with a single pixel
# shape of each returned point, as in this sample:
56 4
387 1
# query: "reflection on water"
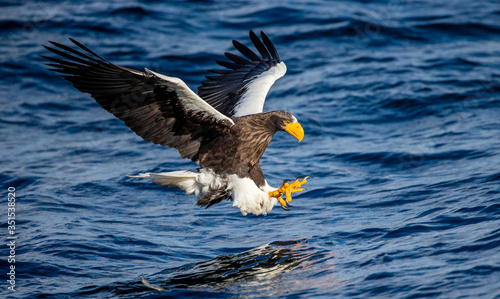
260 271
261 267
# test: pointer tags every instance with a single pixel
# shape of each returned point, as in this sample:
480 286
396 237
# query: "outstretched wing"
243 87
158 108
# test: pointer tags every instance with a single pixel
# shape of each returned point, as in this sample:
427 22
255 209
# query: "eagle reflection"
258 269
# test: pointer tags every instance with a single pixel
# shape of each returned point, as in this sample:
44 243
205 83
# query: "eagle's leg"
287 189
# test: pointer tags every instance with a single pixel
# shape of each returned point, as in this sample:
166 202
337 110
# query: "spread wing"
242 88
158 108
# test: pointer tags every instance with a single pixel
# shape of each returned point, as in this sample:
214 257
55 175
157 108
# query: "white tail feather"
184 180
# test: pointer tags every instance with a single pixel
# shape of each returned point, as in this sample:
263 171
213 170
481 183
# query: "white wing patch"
253 99
190 99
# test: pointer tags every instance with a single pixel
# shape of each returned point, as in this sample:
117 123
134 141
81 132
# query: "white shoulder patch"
253 99
190 99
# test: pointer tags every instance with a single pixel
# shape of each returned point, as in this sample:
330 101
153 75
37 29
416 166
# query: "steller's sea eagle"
222 128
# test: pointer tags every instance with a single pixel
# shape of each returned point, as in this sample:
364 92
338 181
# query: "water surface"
400 103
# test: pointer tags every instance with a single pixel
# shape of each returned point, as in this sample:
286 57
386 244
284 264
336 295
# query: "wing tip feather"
226 91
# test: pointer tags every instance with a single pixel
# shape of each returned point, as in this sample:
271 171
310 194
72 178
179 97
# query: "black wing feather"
259 46
270 46
144 102
237 59
245 51
224 92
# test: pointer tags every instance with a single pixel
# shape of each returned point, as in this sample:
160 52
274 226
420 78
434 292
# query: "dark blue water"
400 101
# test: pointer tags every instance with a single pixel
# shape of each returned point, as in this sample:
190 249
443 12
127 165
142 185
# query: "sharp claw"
286 181
301 178
289 205
285 208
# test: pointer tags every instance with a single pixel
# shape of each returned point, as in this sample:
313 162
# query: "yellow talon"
274 193
287 189
298 183
281 200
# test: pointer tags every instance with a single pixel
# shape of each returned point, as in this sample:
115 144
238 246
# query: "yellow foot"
287 189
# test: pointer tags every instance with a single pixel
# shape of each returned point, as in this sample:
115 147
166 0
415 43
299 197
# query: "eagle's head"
285 121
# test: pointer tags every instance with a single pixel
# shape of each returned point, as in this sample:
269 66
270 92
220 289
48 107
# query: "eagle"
222 128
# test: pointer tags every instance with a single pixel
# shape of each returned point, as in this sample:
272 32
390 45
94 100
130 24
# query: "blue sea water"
400 104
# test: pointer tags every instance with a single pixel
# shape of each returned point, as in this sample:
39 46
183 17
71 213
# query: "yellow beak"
295 129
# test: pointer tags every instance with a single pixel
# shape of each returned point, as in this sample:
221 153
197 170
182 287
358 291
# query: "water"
400 103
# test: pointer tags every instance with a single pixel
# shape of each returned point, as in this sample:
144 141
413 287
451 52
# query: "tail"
184 180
